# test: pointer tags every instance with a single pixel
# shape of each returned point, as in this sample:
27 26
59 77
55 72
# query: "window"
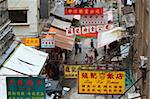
18 16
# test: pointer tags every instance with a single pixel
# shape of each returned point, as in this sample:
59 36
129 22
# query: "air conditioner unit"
143 61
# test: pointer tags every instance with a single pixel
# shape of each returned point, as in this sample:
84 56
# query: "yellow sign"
71 71
31 41
101 82
70 1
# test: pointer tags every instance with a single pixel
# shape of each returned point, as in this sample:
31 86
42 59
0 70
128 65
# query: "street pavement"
73 94
73 83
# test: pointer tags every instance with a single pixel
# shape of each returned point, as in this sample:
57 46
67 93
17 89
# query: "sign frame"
88 81
21 90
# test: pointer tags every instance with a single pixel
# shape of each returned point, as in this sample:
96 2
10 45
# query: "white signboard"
88 29
109 36
47 43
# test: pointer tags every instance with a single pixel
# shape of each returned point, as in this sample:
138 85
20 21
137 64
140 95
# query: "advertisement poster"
101 82
25 88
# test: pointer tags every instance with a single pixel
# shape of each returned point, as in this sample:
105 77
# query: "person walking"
92 43
95 53
90 56
76 47
86 58
80 46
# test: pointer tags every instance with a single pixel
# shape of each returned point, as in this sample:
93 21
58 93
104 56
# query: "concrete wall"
142 41
31 27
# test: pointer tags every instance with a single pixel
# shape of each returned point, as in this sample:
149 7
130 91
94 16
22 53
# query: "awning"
133 95
61 24
8 72
59 11
63 41
26 60
107 37
3 88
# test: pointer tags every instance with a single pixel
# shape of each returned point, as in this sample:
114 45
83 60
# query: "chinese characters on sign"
47 43
83 11
88 29
25 88
31 41
101 82
94 19
71 71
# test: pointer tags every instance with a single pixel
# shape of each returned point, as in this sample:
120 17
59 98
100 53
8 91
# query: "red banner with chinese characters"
83 11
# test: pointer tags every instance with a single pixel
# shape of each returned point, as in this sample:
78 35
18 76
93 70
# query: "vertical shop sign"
25 88
101 82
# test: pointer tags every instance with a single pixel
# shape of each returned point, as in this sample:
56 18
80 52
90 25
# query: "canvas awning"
133 95
8 72
26 60
107 37
60 24
61 40
59 11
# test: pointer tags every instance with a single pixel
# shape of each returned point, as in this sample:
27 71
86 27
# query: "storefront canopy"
61 24
61 40
26 60
59 12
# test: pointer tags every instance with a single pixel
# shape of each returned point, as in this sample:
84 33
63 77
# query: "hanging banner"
31 41
88 29
47 43
109 16
25 88
101 82
71 71
83 11
110 36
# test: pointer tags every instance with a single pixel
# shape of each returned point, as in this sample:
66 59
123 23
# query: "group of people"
91 54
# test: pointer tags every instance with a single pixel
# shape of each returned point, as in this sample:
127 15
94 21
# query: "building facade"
6 35
24 16
142 45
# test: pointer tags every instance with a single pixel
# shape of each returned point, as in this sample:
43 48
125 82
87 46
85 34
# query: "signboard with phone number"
25 88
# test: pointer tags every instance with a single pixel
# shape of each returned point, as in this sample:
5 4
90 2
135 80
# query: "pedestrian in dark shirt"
92 43
76 47
95 53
